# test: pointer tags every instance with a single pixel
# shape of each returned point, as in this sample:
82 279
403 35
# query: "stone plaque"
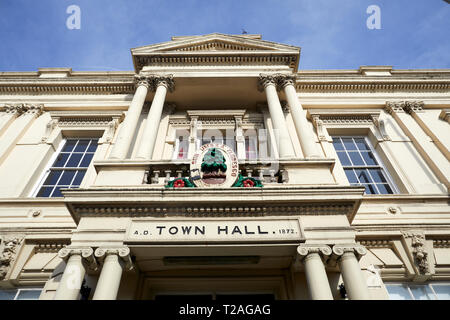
214 230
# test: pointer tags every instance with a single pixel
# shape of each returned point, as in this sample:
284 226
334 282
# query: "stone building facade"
217 168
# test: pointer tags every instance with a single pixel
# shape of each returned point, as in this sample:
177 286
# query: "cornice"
362 84
36 85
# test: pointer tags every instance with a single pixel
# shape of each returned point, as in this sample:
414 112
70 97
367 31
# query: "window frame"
19 290
408 285
380 165
47 169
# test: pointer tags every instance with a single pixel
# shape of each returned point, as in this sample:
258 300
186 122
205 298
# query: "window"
69 168
431 291
361 165
218 136
20 294
181 148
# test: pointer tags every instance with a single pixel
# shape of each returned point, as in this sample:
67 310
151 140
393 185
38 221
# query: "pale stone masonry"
140 217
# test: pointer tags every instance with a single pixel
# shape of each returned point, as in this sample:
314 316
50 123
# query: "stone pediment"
217 49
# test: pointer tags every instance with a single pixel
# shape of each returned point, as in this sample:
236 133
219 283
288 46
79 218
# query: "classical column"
354 281
268 83
114 261
307 140
316 276
70 284
128 128
163 83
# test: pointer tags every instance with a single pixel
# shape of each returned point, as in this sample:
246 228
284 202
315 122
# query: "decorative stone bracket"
8 253
419 253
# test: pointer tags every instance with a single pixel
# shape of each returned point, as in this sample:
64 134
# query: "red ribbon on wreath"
248 183
178 183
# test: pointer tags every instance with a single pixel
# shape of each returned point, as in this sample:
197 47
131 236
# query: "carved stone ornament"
214 165
165 80
51 125
413 106
318 123
266 79
86 253
416 245
379 124
404 106
142 80
8 253
18 109
122 252
284 80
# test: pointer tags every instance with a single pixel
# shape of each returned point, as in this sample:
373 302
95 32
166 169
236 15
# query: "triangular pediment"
215 48
214 42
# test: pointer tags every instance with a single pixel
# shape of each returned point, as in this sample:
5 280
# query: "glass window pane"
362 175
370 189
398 292
351 176
349 144
338 144
86 160
384 189
377 175
442 291
81 146
345 161
28 294
79 177
61 160
356 158
66 178
52 177
93 145
369 158
7 294
422 292
361 144
57 192
45 192
69 145
74 160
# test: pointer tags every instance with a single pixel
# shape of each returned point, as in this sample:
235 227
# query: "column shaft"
70 284
152 125
109 280
128 127
316 276
284 143
354 282
302 127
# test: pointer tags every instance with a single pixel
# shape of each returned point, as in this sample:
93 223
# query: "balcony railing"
266 172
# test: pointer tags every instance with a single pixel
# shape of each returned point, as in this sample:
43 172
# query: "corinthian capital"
142 80
284 80
266 79
392 107
164 80
413 106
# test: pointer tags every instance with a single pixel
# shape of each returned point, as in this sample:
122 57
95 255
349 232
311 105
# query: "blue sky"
332 34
